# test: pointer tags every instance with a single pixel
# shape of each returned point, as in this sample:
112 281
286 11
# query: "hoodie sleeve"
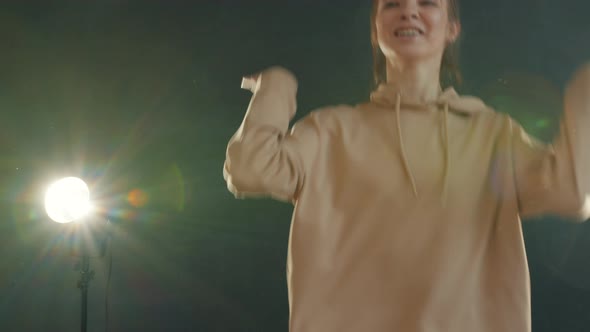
264 158
555 179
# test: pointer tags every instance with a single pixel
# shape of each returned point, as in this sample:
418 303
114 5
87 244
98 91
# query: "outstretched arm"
555 179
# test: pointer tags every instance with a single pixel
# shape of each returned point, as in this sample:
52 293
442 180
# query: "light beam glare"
67 200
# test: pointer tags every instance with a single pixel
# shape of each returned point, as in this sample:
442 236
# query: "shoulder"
333 122
333 115
491 115
334 112
504 127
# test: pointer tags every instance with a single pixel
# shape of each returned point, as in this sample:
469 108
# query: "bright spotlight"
67 200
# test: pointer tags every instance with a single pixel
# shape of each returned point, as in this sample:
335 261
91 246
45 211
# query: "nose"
409 11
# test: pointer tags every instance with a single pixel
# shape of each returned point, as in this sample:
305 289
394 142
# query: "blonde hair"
449 70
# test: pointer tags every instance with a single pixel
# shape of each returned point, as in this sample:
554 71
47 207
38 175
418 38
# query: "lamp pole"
68 200
85 276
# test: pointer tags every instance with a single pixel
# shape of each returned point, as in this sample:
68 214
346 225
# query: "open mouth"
408 32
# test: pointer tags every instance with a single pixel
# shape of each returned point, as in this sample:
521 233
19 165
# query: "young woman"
407 208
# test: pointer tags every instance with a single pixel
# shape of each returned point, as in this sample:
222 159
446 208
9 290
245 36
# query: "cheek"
438 27
385 25
384 21
380 27
439 36
381 31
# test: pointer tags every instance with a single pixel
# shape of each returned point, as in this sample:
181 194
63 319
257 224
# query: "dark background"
140 99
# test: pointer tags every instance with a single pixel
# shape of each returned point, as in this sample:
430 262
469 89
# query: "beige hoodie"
407 216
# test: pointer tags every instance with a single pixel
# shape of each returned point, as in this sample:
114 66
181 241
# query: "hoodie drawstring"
445 131
401 145
447 157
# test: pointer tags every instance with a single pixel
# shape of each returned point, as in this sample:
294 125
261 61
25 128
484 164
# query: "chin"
407 53
411 56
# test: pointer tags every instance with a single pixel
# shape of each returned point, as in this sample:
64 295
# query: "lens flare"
532 100
137 198
67 200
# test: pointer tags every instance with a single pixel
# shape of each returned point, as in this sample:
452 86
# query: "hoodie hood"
387 94
390 96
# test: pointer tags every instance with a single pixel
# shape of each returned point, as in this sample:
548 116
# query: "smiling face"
410 31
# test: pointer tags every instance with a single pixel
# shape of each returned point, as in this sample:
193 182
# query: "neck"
417 81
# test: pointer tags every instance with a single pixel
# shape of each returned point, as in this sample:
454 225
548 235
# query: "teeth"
407 32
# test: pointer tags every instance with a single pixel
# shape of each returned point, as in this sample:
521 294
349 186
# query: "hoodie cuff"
274 98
